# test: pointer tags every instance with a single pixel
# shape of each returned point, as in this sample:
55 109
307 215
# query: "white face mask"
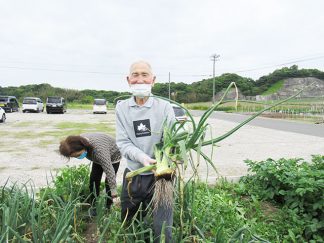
141 90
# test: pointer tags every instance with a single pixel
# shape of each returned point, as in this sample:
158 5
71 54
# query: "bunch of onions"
165 167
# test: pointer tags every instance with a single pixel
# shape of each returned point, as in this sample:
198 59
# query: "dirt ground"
29 144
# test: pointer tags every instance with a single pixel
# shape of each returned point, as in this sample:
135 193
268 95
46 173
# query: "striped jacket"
105 153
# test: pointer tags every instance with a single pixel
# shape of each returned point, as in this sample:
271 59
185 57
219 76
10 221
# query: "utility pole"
169 87
214 58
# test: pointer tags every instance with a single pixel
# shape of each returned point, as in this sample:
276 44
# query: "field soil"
29 146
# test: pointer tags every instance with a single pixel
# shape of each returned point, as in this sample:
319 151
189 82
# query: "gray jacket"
139 128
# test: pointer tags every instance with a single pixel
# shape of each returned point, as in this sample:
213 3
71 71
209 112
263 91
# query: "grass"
31 124
28 135
304 110
3 168
24 135
9 149
64 133
198 105
46 142
296 117
3 133
311 100
80 125
307 102
80 106
274 88
60 130
24 124
72 128
35 167
110 106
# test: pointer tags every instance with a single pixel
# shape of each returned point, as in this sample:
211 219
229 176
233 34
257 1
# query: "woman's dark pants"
95 179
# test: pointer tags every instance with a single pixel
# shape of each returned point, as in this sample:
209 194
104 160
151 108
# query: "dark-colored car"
55 104
179 113
9 103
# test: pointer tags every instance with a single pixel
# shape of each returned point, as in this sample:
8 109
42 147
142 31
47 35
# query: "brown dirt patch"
91 233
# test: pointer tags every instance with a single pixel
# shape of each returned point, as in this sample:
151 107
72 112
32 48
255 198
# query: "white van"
32 104
99 106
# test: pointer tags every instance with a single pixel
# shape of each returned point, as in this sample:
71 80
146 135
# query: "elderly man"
139 124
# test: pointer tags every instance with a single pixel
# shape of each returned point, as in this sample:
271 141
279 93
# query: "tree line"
200 91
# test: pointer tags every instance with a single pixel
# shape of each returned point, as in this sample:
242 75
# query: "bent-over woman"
102 150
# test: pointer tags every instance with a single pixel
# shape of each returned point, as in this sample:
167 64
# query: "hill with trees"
200 91
71 95
265 82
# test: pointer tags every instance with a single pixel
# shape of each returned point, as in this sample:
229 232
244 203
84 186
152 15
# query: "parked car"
2 115
179 113
99 106
32 104
55 104
9 103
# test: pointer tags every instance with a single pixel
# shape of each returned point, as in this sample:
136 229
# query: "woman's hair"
73 144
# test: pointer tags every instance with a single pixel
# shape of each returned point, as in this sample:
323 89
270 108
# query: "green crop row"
281 202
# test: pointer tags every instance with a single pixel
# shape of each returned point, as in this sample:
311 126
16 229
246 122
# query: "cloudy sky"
90 44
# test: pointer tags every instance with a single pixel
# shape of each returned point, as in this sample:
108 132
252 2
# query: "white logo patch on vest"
142 128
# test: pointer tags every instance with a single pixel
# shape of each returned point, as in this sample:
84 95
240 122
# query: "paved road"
282 125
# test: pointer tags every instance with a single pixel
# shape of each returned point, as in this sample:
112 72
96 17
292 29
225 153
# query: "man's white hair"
141 62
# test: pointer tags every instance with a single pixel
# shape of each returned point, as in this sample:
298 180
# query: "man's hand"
149 161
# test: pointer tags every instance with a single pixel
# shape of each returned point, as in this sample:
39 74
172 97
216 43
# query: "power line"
278 65
58 70
52 64
174 75
92 72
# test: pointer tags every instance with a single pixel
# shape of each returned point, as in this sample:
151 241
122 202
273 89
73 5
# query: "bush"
294 184
70 183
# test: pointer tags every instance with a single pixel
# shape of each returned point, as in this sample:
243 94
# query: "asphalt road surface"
282 125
